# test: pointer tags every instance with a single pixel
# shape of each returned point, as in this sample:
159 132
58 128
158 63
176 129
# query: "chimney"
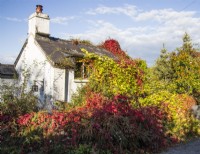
39 8
39 22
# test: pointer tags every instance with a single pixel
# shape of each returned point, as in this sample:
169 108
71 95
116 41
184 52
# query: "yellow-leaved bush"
179 122
116 76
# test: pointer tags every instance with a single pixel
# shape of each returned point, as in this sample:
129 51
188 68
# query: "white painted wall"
70 84
7 81
74 84
59 84
34 62
79 83
48 79
39 23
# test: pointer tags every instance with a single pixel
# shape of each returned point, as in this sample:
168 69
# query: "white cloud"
13 19
129 10
154 28
147 31
140 15
101 30
162 15
62 20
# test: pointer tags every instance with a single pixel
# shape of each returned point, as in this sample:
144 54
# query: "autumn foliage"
113 46
102 120
126 108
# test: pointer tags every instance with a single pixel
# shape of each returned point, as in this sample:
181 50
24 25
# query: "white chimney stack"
39 22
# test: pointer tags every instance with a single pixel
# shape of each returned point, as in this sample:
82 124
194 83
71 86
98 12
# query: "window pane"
82 70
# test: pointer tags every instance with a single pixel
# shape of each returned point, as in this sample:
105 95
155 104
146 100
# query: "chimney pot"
39 8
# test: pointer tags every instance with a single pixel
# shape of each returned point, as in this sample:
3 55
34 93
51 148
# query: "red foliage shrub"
124 128
114 47
25 119
95 100
102 120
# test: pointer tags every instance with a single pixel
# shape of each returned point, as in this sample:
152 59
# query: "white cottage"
41 61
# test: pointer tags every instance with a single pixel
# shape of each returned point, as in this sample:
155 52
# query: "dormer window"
82 70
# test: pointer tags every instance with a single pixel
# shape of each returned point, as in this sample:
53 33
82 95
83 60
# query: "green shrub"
16 100
79 97
83 149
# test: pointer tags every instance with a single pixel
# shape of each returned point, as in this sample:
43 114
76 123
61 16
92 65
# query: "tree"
186 69
162 69
159 76
179 71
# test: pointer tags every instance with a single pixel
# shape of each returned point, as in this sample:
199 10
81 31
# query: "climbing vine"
114 77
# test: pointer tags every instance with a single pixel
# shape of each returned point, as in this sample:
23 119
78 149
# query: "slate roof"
58 49
7 71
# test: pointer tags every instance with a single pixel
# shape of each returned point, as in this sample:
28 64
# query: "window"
81 70
35 88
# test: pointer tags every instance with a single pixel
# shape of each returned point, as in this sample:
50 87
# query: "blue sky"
140 26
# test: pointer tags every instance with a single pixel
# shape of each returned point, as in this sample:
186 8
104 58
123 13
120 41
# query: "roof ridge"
38 36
